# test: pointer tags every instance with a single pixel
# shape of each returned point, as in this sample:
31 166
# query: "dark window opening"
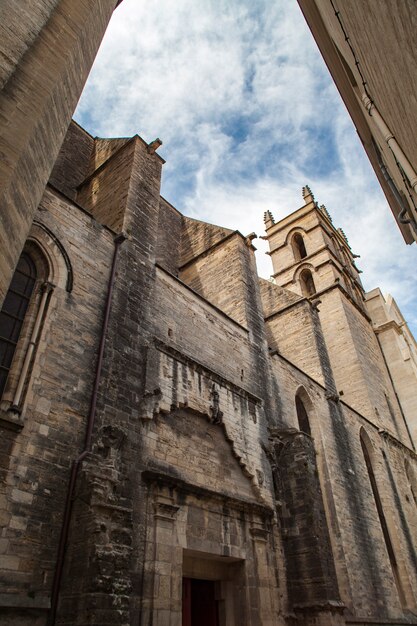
307 283
299 248
13 313
303 421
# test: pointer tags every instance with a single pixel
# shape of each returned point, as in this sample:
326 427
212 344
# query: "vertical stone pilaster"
166 606
267 610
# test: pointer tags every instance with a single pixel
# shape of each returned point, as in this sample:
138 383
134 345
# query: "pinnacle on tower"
308 194
268 219
326 213
342 232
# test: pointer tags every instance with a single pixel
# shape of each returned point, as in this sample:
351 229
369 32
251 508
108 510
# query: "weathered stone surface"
197 468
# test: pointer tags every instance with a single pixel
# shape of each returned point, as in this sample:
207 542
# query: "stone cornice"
240 504
391 324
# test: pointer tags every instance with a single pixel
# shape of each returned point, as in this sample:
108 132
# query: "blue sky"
248 115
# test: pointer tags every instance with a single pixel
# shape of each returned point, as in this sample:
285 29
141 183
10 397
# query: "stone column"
312 585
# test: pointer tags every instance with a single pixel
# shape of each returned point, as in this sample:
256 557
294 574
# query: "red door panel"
199 605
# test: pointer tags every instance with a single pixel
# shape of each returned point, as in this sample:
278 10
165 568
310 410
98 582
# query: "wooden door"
199 604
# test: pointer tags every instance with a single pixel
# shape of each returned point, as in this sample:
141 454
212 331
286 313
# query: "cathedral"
184 443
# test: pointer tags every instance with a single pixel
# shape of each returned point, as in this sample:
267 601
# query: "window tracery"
13 312
21 321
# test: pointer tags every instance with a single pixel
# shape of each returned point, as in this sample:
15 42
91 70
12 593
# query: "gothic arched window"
302 416
298 246
307 283
22 319
13 313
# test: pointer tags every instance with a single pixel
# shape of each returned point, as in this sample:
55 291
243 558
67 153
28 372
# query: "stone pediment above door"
195 451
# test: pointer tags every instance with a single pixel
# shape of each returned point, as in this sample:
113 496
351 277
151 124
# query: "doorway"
199 603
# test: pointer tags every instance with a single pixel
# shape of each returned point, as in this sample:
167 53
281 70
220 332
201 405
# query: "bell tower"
309 255
312 258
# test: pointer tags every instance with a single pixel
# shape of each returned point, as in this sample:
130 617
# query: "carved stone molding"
216 415
259 532
165 511
165 508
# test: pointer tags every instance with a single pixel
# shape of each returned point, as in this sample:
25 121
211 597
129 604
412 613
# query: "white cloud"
248 114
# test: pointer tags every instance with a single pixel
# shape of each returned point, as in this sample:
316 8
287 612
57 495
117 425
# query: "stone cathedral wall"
198 466
355 531
36 454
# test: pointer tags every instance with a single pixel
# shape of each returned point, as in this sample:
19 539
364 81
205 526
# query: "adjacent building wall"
353 38
47 52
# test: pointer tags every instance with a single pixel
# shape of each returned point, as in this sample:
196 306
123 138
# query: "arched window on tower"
307 283
368 456
302 415
298 247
